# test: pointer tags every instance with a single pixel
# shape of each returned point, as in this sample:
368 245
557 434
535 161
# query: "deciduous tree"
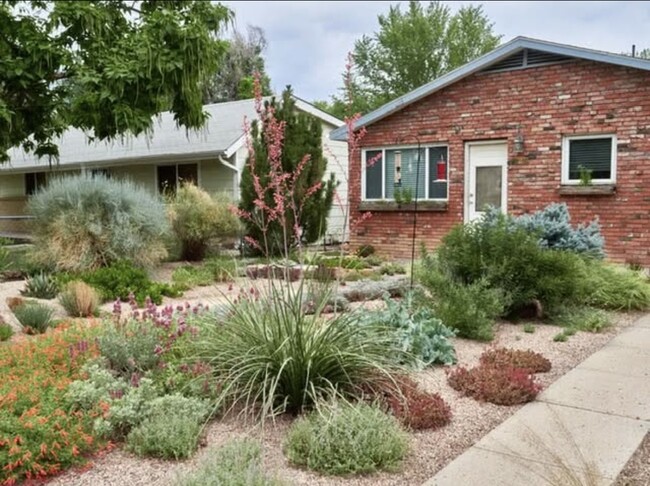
103 66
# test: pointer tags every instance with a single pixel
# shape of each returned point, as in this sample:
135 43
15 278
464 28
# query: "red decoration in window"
441 170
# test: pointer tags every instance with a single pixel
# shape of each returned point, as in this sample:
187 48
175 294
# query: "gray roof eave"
484 61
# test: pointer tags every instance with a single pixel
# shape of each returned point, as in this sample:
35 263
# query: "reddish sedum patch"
498 385
515 358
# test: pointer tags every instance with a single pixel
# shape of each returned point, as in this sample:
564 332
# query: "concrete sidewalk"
581 430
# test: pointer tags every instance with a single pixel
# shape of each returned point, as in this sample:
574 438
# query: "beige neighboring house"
212 157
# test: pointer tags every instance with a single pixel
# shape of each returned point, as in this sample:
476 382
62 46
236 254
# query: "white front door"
486 177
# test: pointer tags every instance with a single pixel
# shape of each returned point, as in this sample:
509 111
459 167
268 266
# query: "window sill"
388 206
592 190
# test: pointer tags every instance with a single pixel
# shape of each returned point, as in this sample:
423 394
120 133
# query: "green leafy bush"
392 268
609 286
35 318
197 218
224 269
342 439
238 463
122 278
79 299
6 331
510 258
419 334
365 251
90 221
41 286
271 356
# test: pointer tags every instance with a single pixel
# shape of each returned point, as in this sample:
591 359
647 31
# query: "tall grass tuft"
79 299
616 287
34 317
270 357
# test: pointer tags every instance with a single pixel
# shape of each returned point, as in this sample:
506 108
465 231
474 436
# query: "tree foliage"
244 58
104 67
412 48
301 162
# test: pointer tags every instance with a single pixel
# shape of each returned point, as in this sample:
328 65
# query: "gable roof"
501 53
223 134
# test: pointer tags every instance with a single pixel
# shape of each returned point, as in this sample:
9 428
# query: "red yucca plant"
501 386
515 358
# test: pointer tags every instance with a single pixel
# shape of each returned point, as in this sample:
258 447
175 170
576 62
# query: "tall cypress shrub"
309 204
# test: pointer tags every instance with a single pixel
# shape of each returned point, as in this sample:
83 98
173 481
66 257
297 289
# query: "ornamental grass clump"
34 317
271 357
88 221
80 299
340 438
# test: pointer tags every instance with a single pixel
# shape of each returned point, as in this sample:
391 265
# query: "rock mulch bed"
430 450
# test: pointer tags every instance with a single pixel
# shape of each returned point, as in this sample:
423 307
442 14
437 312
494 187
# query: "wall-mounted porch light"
519 143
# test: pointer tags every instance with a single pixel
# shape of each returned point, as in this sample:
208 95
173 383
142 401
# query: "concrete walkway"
581 430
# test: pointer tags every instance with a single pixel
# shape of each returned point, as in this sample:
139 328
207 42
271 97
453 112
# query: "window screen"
591 154
373 174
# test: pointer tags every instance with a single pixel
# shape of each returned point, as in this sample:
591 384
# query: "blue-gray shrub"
84 222
553 227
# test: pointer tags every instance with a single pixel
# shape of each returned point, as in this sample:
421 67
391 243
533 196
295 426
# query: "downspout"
235 189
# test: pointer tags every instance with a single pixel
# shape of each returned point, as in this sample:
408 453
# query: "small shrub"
165 436
6 331
223 269
35 318
79 299
188 277
197 218
130 348
501 386
515 358
121 279
529 328
560 337
41 286
88 221
552 225
419 334
414 408
238 463
469 309
392 268
374 260
356 275
365 251
342 439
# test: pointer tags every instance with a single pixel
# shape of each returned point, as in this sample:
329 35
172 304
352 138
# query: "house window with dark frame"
589 159
170 177
101 172
406 174
34 181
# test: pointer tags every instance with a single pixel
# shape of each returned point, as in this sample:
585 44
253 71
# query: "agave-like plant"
41 286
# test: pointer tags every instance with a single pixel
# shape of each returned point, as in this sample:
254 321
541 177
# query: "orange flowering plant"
39 437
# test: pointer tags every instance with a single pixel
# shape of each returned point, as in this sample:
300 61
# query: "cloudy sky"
309 41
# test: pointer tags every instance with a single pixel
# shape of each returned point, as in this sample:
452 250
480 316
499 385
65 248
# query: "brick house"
527 124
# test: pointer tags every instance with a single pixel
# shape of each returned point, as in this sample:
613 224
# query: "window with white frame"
406 173
589 159
170 177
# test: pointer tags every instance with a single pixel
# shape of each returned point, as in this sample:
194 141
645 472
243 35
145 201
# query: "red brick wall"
548 103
